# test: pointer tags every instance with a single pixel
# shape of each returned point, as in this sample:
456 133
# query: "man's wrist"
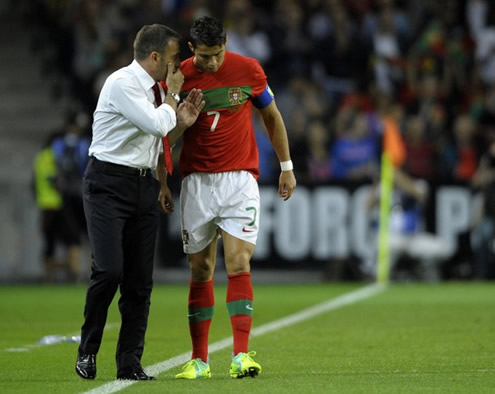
286 165
175 96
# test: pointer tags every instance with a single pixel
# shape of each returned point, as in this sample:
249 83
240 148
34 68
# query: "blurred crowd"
338 69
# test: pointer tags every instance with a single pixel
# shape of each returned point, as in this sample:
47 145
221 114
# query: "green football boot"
195 369
243 365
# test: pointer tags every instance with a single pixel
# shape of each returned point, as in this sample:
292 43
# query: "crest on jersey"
235 96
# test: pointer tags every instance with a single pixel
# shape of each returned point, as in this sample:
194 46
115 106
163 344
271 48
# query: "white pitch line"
305 314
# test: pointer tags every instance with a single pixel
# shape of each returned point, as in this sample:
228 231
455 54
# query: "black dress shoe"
134 373
86 365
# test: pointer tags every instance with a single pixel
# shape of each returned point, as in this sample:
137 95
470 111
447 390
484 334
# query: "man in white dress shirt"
120 193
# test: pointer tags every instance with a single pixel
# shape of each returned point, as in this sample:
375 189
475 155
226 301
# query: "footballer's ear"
190 46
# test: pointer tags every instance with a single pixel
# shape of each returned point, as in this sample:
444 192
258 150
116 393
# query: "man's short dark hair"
151 38
207 31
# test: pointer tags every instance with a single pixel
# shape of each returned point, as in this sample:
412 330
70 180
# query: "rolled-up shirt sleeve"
128 99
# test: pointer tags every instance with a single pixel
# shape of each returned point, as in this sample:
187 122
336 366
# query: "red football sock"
200 312
240 308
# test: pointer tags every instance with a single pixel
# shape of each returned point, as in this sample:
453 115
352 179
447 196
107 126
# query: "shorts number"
254 215
215 120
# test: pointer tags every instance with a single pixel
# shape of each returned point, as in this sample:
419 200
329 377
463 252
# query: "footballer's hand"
286 184
188 111
165 200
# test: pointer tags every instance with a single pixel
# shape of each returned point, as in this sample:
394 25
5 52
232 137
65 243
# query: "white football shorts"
226 200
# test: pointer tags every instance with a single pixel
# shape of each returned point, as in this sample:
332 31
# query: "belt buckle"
142 171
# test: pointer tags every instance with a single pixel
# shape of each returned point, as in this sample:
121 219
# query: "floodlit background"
343 73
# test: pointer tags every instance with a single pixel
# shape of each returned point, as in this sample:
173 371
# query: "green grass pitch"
410 338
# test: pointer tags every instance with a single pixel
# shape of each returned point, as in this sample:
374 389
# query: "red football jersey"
222 138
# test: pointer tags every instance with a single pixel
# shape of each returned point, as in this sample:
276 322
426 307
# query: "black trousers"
122 216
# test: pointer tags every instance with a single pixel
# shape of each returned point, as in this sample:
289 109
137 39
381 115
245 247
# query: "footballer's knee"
201 270
238 262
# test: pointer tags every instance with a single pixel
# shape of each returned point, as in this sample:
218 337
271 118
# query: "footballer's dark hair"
153 38
207 31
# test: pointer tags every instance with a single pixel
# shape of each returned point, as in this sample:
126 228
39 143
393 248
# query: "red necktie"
166 145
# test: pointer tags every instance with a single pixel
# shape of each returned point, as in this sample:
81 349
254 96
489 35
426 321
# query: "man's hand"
165 200
174 79
188 111
286 184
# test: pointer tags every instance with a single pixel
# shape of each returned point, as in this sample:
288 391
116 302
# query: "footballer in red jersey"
219 193
223 139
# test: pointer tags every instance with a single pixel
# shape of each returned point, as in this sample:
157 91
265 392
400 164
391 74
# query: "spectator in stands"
49 202
319 167
467 155
354 153
420 150
429 106
340 54
242 35
92 35
400 22
290 44
302 93
60 227
388 43
458 155
71 157
443 50
481 20
476 15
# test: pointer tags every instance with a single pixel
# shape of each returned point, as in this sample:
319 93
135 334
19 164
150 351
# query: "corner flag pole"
386 190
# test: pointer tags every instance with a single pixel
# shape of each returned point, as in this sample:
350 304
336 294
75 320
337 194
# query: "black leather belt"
118 168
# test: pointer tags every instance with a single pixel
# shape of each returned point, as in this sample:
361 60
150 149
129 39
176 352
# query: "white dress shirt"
127 128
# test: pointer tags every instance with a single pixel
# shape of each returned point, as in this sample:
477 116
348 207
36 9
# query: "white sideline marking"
27 348
305 314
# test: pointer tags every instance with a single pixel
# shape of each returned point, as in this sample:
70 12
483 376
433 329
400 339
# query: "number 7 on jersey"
215 119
